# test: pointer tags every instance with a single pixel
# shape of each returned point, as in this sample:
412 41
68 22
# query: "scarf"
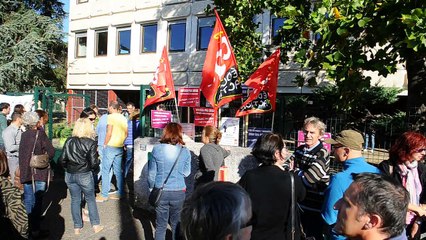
411 182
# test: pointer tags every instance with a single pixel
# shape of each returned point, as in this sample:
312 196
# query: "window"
277 23
123 41
101 42
81 44
205 29
177 32
149 38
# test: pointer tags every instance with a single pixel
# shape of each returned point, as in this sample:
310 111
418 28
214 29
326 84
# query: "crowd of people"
288 196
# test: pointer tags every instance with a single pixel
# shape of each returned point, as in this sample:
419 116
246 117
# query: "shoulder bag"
294 212
39 162
155 195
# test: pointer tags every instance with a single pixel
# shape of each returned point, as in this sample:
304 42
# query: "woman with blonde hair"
80 159
211 156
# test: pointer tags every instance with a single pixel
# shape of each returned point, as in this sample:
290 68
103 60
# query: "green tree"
344 38
32 52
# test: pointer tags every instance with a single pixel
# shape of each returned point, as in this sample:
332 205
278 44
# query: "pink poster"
301 139
160 118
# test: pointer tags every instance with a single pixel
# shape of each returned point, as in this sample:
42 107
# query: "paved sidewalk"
118 217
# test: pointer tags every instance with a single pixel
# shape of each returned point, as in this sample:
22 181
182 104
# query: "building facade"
114 47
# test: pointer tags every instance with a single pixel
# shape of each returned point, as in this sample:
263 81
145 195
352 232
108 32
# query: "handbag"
293 214
155 195
39 161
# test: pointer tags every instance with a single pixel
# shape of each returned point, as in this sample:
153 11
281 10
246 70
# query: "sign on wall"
204 116
230 129
188 97
160 118
254 133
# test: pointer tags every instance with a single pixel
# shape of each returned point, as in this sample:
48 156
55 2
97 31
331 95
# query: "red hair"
405 146
172 134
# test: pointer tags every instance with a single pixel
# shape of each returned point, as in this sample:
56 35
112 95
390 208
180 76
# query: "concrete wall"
238 163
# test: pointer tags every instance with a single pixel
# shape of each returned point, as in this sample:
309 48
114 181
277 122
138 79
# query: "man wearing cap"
347 149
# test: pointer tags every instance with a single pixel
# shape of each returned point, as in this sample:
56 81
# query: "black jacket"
80 155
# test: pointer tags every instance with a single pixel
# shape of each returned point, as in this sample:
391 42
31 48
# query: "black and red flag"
162 86
264 83
220 79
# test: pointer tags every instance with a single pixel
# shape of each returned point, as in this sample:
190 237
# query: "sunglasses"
92 119
420 150
251 222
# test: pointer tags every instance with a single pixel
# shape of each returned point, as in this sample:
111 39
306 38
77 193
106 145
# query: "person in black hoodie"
80 158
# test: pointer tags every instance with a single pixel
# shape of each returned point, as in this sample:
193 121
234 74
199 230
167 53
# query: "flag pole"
273 117
177 111
246 120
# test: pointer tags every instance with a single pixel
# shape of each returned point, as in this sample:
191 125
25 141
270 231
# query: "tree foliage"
341 39
32 52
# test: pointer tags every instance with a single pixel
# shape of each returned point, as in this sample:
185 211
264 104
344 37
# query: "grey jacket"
210 160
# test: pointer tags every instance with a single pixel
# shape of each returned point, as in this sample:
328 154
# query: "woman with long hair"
269 187
211 156
405 166
80 159
164 155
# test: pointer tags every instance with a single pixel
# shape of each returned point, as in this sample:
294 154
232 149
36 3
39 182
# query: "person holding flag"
220 79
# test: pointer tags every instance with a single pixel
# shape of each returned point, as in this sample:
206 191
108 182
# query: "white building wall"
128 72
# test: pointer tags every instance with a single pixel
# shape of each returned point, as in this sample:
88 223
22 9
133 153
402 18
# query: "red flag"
162 86
220 83
264 83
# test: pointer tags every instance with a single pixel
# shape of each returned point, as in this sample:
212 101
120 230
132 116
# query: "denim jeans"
78 183
101 155
367 138
129 159
33 203
112 158
170 206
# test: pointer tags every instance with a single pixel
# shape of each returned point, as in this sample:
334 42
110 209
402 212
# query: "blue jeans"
367 137
33 203
129 159
78 183
112 158
170 206
101 155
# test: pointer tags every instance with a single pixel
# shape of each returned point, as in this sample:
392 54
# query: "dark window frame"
97 33
143 26
170 35
118 45
80 35
200 28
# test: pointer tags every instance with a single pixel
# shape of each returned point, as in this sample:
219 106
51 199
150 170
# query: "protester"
44 118
15 225
132 134
311 162
373 208
19 108
12 139
101 128
130 109
80 159
116 133
405 167
164 155
347 148
33 199
269 187
4 111
211 156
217 211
